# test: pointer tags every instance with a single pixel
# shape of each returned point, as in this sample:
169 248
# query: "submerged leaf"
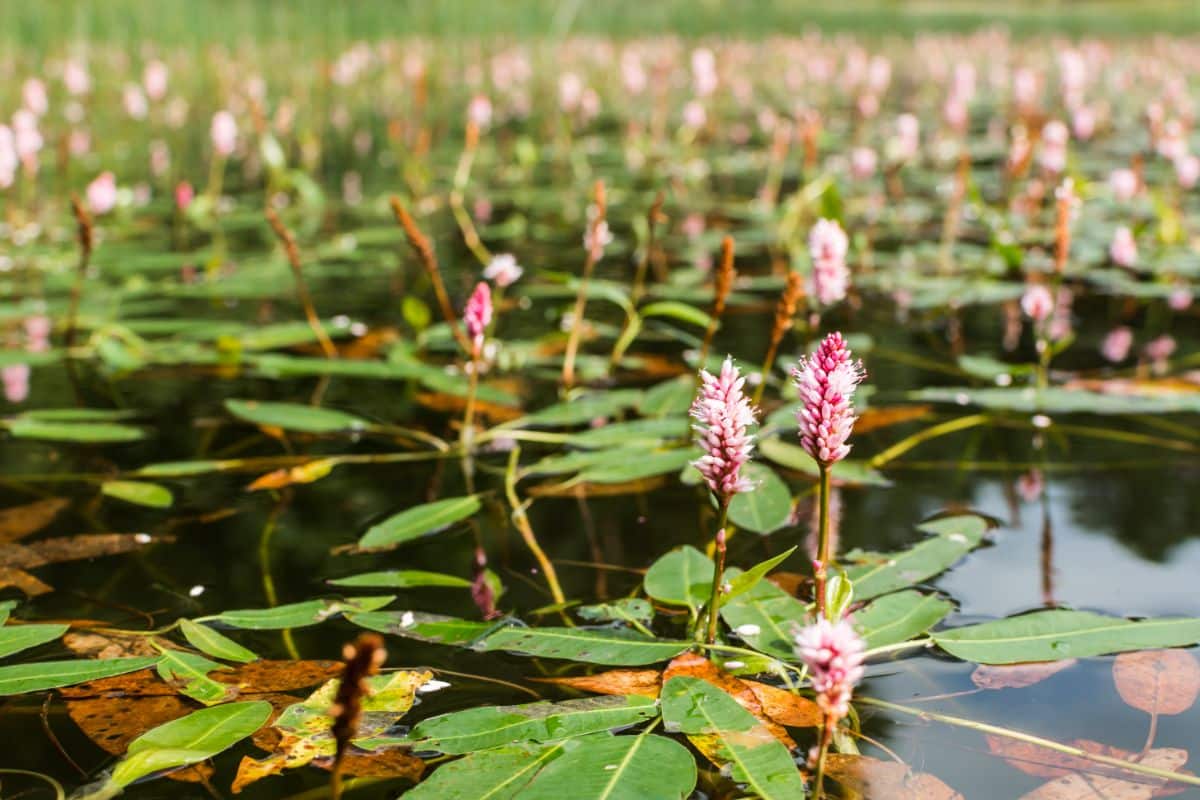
885 780
1017 676
1158 681
20 521
295 417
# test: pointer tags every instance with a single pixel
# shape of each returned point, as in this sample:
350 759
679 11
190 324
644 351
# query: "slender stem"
820 569
467 438
84 223
892 648
714 598
568 370
932 432
1049 744
306 302
768 363
521 521
819 781
59 793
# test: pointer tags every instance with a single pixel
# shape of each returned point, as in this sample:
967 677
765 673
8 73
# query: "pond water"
182 313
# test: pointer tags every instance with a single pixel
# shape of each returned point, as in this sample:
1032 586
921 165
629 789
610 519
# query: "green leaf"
139 493
792 456
765 508
770 611
670 398
606 767
189 740
605 646
682 577
623 609
296 615
423 627
78 414
83 432
216 644
1055 400
745 581
295 417
498 774
676 310
581 410
881 573
177 469
15 638
898 617
646 432
698 708
418 521
25 678
491 726
402 579
648 466
192 671
1059 634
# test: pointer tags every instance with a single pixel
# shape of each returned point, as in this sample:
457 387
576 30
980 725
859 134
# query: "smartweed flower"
827 245
833 652
827 380
723 413
1123 250
478 315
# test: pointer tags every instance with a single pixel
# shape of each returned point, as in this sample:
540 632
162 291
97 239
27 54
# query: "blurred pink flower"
134 101
503 270
694 115
479 111
1123 183
1116 345
1187 170
827 246
16 382
1037 302
34 98
76 78
102 193
184 194
478 315
1123 250
723 413
154 79
863 161
1159 351
223 132
834 653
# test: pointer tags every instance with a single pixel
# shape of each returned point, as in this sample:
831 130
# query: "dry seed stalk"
86 232
594 252
424 250
785 311
293 256
363 659
461 176
722 285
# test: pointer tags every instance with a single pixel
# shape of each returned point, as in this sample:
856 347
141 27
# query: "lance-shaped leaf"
880 573
413 523
189 740
742 582
295 417
424 627
733 736
306 728
84 432
1060 633
491 726
643 432
767 618
613 647
682 577
189 672
900 616
139 493
497 774
15 638
296 615
605 767
23 678
402 579
216 644
581 410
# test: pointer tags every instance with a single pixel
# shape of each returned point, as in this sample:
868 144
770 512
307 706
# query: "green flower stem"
822 566
521 521
1049 744
714 599
892 648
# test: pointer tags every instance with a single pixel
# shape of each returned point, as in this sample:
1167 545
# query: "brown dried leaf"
20 521
645 682
790 582
785 708
876 418
1129 786
1158 681
885 780
586 489
695 665
20 579
1017 676
74 548
1042 762
453 404
257 677
115 645
309 472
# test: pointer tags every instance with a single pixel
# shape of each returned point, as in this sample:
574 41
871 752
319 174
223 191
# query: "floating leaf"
898 617
740 741
1056 400
204 638
295 417
189 740
649 465
766 618
1017 676
296 615
765 509
424 627
1076 786
793 456
402 579
676 310
82 432
309 472
880 573
605 767
682 577
1059 633
491 726
581 410
694 665
15 638
671 397
498 774
605 646
25 678
1158 681
139 493
625 609
189 672
645 682
418 521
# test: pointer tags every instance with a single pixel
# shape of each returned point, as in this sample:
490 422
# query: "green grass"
325 24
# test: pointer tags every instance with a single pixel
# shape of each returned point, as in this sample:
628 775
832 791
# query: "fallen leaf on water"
886 780
588 489
16 558
697 666
21 521
645 682
257 677
115 645
1129 786
1017 676
308 472
20 579
780 705
1158 681
449 403
790 582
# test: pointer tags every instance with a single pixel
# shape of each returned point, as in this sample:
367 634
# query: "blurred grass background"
328 23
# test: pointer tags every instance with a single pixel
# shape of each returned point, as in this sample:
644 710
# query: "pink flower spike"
723 412
833 652
1037 302
478 315
827 380
827 245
